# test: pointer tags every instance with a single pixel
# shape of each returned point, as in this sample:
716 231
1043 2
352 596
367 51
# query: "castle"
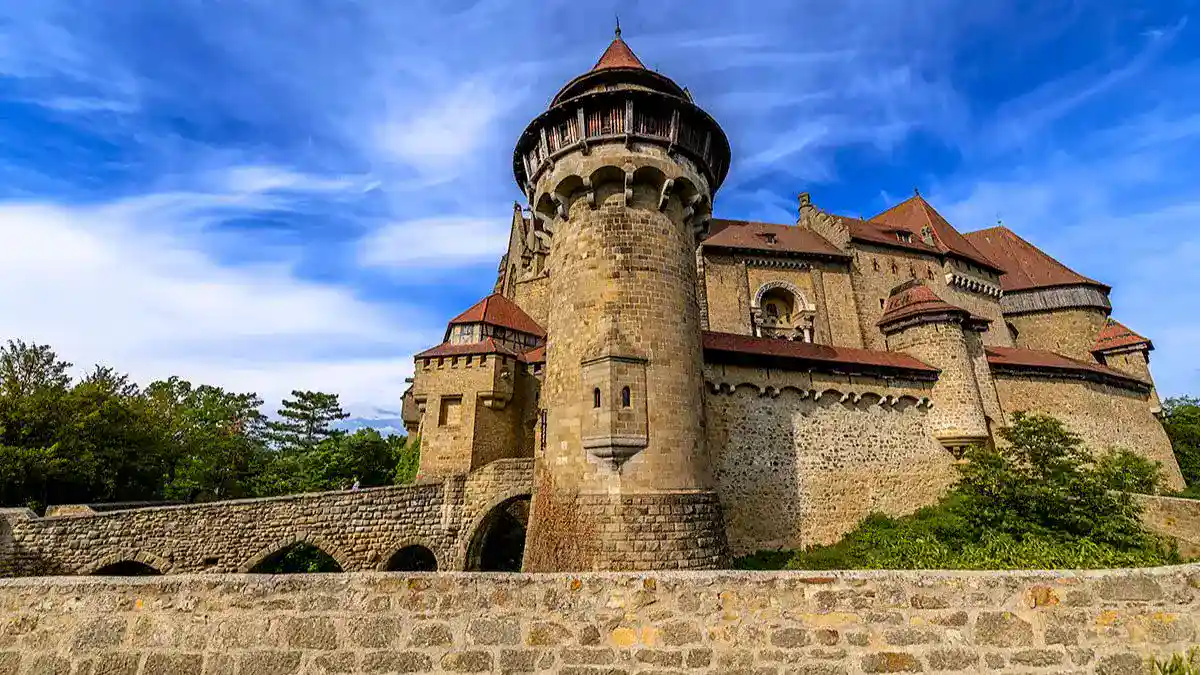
691 387
649 387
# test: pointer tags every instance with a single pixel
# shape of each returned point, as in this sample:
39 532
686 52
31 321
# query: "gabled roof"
618 55
728 347
881 233
915 214
487 346
769 237
1015 359
1026 266
915 298
1115 335
497 310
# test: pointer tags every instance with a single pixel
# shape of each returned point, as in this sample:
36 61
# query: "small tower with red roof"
474 391
919 323
620 172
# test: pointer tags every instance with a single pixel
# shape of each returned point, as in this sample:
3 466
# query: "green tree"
219 439
1041 482
1125 470
1181 419
408 459
305 420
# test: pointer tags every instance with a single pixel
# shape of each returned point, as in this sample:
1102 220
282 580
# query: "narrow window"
625 397
881 301
596 397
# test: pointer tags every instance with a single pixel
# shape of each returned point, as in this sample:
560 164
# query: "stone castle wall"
842 623
795 470
360 529
1105 416
1071 332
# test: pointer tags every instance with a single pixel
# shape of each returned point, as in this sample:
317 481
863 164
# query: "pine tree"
305 420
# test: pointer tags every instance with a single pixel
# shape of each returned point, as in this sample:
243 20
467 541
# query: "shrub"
1127 471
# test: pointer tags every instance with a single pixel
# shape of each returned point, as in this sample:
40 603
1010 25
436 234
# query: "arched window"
596 397
625 397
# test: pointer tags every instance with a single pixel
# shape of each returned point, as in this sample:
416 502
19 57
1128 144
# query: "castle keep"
650 387
691 387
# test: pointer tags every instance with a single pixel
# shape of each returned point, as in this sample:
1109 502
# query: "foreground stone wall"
1107 622
359 529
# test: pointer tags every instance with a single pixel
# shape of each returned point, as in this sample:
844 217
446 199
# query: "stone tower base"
647 531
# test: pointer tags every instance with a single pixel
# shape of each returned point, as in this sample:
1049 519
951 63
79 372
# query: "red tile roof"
487 346
535 355
723 346
770 237
915 298
880 233
1012 358
618 55
1114 335
1026 266
914 214
497 310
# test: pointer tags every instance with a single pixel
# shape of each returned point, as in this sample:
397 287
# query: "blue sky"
272 195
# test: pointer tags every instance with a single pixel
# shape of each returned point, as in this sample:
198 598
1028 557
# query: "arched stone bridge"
371 529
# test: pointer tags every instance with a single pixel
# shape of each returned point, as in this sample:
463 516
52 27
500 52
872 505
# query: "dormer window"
768 237
904 236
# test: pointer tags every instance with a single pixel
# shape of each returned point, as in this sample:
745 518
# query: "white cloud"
111 284
443 134
436 243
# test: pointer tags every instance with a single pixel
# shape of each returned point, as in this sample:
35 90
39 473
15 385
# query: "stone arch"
396 548
157 563
801 300
469 546
279 546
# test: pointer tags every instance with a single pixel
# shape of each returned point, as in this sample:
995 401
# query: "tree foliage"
1181 419
102 438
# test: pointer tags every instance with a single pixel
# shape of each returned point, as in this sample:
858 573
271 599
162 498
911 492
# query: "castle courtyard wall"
727 294
795 470
1103 622
1104 416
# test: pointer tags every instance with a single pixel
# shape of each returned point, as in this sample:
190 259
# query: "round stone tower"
620 174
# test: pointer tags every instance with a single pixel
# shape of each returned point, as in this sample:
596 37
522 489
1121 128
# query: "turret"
917 322
620 173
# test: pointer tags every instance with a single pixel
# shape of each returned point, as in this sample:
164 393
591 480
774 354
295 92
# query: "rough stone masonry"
810 623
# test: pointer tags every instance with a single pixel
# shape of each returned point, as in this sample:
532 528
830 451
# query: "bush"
1039 501
1129 472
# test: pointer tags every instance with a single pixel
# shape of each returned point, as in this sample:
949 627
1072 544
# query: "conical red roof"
497 310
618 55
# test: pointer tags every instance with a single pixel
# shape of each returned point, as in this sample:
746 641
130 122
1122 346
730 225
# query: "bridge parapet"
360 529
